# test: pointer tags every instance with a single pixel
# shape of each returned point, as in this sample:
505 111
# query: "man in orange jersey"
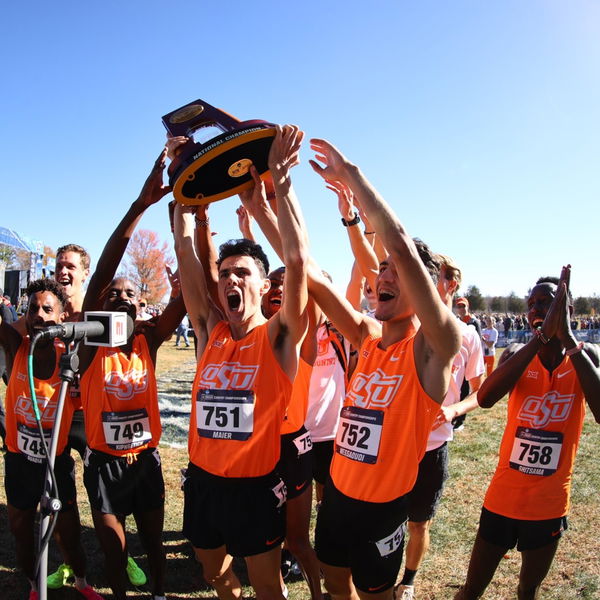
122 471
25 459
426 494
394 395
234 498
527 501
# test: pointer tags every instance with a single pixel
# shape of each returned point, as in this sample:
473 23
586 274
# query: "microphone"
100 328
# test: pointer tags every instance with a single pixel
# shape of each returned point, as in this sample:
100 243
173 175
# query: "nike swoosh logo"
299 487
271 542
248 346
555 533
397 357
559 375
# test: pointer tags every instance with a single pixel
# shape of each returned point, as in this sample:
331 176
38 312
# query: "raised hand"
173 144
244 222
154 189
174 282
253 197
285 150
557 322
334 164
345 199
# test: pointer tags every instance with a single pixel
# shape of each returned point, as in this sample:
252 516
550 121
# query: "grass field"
575 573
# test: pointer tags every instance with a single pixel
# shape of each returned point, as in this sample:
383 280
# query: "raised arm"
361 249
438 325
583 356
207 253
191 275
283 156
351 323
152 191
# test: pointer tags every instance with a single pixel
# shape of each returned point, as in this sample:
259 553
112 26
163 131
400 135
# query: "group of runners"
294 383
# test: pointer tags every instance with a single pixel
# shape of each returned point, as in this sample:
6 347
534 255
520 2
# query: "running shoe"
57 579
404 592
90 593
136 576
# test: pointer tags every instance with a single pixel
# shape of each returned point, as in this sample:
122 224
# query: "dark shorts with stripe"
118 486
24 480
246 515
367 537
525 535
295 462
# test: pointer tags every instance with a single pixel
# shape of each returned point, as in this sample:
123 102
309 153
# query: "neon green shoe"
57 579
136 576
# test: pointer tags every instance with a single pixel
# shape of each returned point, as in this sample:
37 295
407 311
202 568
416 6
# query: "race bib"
30 443
126 430
535 451
391 543
359 434
303 443
225 414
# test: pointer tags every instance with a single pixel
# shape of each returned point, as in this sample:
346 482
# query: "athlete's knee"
419 528
299 544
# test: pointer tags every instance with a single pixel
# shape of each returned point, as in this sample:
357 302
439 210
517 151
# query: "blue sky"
477 121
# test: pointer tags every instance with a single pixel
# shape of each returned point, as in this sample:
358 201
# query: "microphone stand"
49 506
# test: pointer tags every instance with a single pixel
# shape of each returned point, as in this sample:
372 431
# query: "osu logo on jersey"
375 389
322 347
125 385
228 376
46 405
538 411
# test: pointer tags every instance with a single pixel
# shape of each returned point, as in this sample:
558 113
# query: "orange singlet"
120 402
296 411
239 399
22 434
545 417
384 424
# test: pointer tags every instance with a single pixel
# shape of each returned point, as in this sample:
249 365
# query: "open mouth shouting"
234 300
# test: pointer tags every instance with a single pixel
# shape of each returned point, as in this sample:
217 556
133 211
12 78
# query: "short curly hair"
244 247
48 285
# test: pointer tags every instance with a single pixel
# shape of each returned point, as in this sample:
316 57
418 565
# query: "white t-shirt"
468 363
489 334
327 390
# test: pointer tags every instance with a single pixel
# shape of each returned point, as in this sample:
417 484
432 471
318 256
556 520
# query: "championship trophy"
205 172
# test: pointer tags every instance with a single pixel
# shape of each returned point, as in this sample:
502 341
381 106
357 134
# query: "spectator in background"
182 331
462 310
489 337
7 302
508 324
143 313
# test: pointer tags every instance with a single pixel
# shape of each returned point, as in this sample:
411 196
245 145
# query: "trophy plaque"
205 172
